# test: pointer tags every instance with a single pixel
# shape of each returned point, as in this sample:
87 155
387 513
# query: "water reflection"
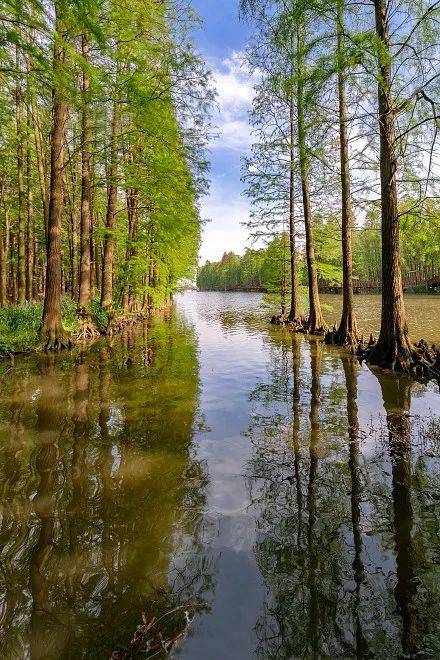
285 496
102 497
340 582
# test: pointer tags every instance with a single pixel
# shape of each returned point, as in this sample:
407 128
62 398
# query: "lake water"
259 494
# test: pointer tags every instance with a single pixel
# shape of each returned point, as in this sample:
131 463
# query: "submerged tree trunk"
85 264
110 220
295 306
21 242
316 322
393 349
52 331
347 331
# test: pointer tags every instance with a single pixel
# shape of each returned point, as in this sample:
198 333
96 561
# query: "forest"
219 329
102 164
345 126
268 268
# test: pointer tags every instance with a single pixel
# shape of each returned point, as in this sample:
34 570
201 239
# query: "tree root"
420 361
55 340
88 332
118 323
296 325
343 338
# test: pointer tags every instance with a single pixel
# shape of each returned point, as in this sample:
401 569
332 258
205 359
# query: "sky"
221 42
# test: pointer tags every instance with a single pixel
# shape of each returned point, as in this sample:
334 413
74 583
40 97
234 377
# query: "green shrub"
99 314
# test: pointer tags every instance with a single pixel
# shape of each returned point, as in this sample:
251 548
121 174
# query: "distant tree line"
268 269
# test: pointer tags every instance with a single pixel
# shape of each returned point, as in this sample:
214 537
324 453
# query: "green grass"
19 325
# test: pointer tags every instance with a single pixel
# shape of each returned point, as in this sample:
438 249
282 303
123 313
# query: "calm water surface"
261 495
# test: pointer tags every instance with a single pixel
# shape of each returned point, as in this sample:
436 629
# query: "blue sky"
221 42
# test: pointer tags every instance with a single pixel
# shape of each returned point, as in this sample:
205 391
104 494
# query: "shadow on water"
102 494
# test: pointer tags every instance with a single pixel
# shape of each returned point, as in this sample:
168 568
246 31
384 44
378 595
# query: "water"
260 494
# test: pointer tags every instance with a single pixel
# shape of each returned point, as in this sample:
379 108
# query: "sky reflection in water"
286 493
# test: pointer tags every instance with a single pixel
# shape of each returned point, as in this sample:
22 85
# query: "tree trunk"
74 219
41 163
21 242
85 265
347 331
52 331
295 303
316 322
4 244
3 295
30 218
393 349
110 220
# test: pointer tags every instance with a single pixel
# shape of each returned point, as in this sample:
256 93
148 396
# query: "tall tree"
394 348
86 217
316 323
52 331
347 332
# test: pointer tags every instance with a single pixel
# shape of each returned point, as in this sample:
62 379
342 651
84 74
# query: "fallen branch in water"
153 640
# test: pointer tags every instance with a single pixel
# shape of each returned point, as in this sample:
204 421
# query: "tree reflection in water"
336 536
112 535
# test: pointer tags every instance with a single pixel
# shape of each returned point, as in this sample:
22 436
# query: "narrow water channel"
260 494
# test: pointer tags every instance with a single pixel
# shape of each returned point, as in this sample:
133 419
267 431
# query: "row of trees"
346 121
103 111
269 268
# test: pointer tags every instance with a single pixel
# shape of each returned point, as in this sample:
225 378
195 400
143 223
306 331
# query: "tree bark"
4 244
30 265
347 332
85 264
393 349
110 220
41 163
52 331
21 243
295 306
316 322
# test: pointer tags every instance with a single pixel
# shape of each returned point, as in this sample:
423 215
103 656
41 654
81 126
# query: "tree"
52 331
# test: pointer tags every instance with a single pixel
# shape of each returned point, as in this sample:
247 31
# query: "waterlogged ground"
260 494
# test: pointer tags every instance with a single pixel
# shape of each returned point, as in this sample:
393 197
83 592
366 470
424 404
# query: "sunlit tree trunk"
393 349
30 257
347 331
295 306
4 245
21 235
52 328
41 162
85 271
110 220
316 320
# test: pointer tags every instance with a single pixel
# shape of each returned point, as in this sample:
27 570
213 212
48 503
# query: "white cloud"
225 232
235 88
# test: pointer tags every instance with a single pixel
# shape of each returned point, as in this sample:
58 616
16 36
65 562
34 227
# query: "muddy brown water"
260 494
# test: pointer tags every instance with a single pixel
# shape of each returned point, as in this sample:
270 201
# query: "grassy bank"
19 325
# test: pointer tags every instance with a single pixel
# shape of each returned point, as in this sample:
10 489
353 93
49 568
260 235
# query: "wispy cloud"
235 88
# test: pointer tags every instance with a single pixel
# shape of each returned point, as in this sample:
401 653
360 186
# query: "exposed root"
296 325
88 332
344 338
55 340
417 360
118 323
